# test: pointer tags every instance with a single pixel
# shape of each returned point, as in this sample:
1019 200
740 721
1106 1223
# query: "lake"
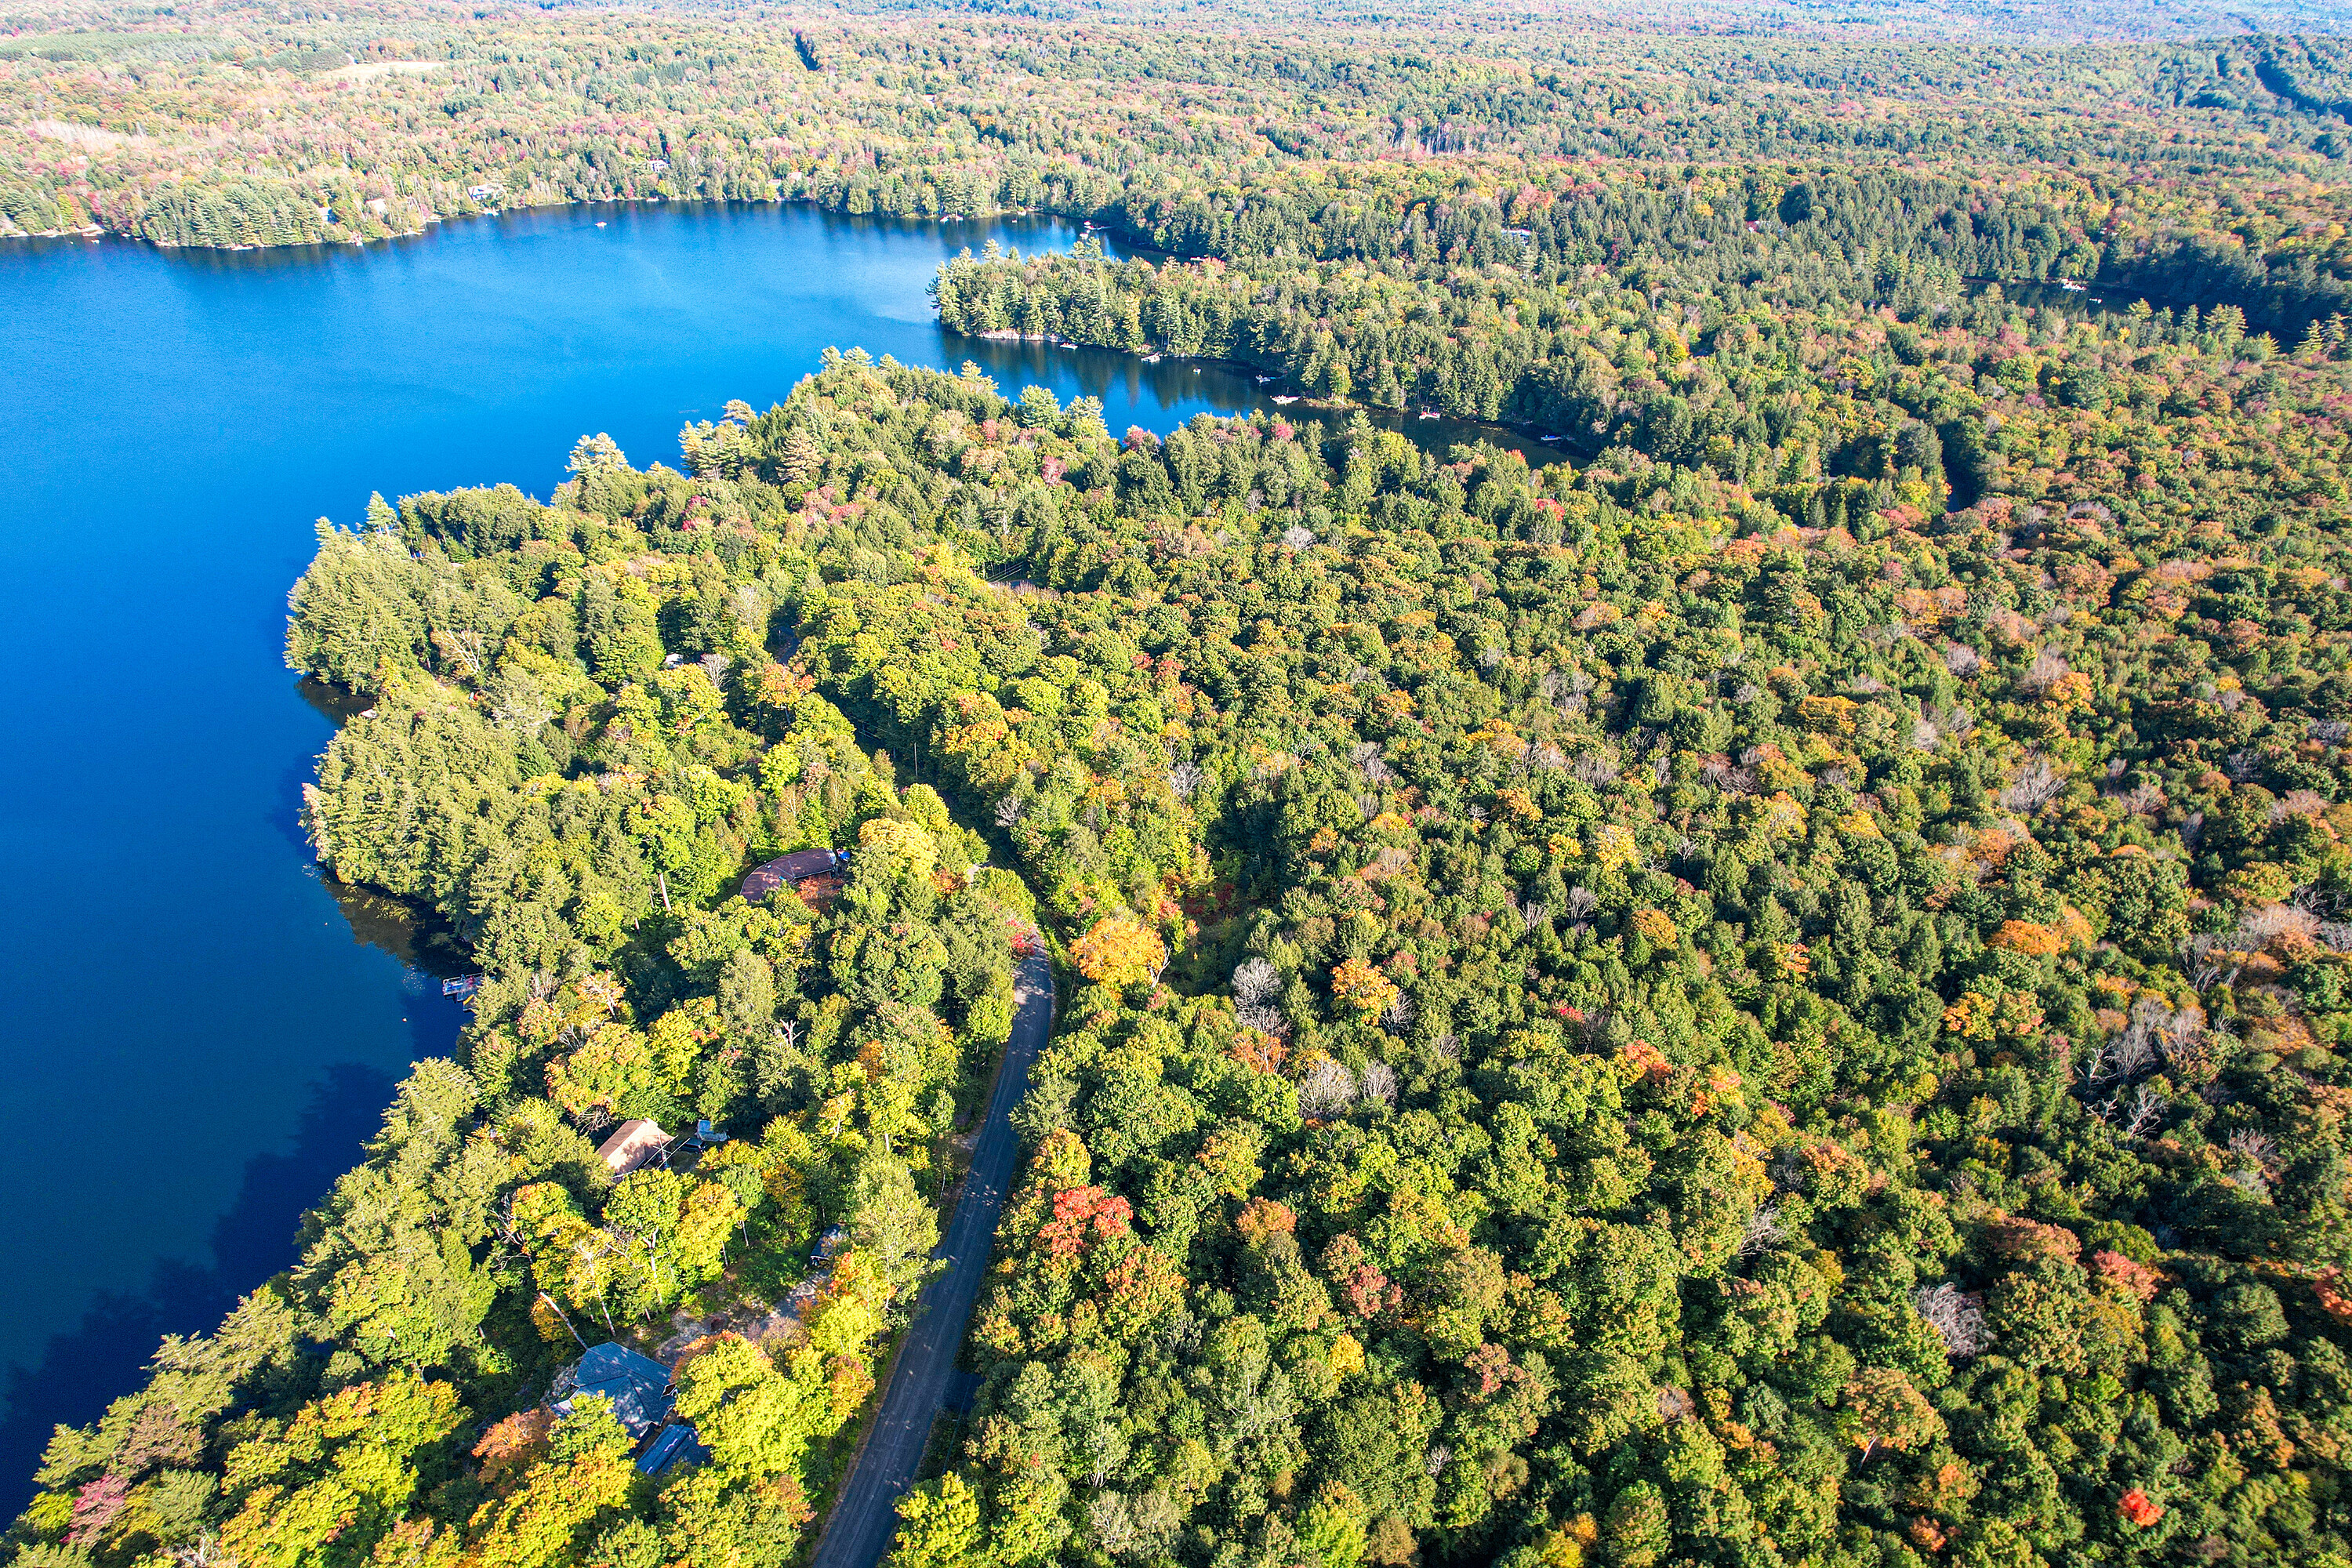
197 1034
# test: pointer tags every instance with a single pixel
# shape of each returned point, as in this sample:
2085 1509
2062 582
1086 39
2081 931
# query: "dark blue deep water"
195 1034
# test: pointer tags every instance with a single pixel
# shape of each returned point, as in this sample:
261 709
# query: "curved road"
866 1514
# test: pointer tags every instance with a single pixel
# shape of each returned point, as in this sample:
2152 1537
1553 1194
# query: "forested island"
1767 993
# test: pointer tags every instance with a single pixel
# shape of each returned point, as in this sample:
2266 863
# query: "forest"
1771 992
2146 160
1773 995
577 805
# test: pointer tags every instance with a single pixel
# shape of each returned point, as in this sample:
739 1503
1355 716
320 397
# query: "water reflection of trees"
418 937
1185 387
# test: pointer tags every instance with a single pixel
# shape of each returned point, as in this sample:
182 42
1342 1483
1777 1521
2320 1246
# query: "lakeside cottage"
639 1389
637 1385
632 1145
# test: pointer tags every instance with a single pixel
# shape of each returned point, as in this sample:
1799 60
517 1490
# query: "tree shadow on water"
414 934
86 1368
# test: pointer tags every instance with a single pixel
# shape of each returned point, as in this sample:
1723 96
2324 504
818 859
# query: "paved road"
867 1515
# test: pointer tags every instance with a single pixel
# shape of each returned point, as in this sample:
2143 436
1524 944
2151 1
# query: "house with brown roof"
632 1144
789 871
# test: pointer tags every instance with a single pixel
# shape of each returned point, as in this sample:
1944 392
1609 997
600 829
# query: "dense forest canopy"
1703 1007
216 123
1772 993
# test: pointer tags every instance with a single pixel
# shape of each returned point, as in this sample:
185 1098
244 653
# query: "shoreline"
440 220
1523 440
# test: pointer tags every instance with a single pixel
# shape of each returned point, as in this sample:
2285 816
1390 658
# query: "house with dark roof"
637 1385
678 1444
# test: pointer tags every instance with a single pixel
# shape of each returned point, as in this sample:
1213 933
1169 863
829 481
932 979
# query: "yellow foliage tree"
1362 988
849 1313
906 845
1120 952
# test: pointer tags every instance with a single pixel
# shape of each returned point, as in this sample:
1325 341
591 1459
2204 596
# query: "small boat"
1151 359
1264 379
1429 414
600 226
1285 400
461 986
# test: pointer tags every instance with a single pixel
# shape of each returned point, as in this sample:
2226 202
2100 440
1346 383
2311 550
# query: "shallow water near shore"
195 1033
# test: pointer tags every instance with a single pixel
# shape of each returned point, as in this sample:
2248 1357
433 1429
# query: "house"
637 1385
677 1444
789 871
632 1144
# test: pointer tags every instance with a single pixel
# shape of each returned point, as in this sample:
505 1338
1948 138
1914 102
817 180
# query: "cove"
195 1033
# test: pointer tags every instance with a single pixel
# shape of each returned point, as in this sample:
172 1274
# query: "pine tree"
799 456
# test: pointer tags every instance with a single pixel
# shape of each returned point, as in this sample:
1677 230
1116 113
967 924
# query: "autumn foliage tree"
1118 953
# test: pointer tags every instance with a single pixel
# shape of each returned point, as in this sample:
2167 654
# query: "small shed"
637 1385
788 871
632 1144
677 1444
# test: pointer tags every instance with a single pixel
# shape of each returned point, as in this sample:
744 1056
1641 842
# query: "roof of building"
631 1145
787 869
637 1385
678 1444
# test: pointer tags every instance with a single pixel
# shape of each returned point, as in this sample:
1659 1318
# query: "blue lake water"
195 1034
